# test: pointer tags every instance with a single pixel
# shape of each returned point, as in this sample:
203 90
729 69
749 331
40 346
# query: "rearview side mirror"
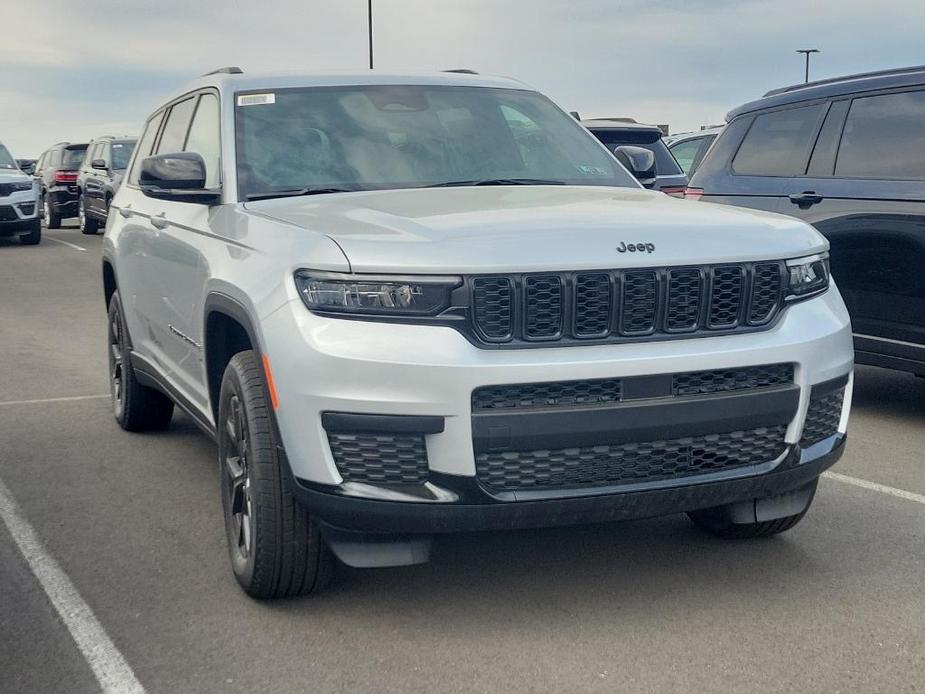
180 177
638 161
98 164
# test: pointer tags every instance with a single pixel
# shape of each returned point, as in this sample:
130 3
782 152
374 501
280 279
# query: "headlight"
808 276
379 295
21 186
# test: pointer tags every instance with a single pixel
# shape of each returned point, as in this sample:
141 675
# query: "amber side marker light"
271 386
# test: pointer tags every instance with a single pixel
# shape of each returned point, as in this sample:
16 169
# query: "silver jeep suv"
19 202
412 305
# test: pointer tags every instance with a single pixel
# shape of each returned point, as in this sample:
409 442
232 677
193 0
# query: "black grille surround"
627 463
612 306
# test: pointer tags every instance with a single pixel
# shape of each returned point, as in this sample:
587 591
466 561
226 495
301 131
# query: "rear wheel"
136 407
34 237
275 545
88 225
52 220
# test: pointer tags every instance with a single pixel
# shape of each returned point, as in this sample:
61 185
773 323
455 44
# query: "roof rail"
619 120
230 70
845 78
462 71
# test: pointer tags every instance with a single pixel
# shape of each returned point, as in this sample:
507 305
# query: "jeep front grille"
624 305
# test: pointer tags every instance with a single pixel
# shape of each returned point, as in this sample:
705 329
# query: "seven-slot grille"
619 305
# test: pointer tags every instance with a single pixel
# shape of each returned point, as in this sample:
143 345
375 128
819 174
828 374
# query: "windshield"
73 156
6 161
379 137
121 153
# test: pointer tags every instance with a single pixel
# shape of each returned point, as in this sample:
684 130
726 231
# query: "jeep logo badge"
636 247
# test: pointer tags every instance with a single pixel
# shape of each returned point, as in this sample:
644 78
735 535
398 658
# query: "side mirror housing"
638 161
180 177
98 164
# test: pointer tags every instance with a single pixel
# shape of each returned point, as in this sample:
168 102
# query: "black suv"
623 132
99 176
848 156
57 174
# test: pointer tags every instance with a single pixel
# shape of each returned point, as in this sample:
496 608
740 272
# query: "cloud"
683 63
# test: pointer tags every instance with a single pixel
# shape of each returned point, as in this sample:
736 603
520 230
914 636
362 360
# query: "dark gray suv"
845 155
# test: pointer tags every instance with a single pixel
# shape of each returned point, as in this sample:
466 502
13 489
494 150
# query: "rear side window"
145 144
778 143
173 136
686 151
884 137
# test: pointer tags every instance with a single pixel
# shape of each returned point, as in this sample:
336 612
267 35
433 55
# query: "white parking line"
43 400
108 665
874 487
66 243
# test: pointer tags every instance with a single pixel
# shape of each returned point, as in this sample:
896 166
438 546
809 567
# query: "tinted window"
665 164
823 161
884 137
145 144
778 143
73 157
121 153
54 158
379 137
174 135
204 139
685 152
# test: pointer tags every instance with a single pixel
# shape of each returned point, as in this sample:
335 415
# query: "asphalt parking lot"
134 523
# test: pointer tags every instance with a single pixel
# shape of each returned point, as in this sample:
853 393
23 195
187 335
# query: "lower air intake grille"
7 214
380 458
555 394
822 417
629 462
725 380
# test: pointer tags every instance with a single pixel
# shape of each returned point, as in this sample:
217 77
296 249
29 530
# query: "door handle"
126 211
159 222
805 199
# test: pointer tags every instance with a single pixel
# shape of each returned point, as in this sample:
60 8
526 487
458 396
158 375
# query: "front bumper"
479 511
18 212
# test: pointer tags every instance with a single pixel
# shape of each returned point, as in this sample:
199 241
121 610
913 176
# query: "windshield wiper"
499 182
295 192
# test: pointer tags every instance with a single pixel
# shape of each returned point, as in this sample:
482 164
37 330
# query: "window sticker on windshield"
256 99
591 170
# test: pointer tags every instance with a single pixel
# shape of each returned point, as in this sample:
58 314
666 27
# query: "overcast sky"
73 69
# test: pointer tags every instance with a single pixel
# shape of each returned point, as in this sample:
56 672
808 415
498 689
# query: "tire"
34 237
274 544
52 220
135 407
88 225
716 521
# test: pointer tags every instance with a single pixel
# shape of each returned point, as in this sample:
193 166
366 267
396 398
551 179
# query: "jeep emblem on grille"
636 247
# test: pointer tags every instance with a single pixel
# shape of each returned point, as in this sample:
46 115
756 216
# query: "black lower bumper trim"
425 518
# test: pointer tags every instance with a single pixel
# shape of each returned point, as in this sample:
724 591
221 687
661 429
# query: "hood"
13 176
535 228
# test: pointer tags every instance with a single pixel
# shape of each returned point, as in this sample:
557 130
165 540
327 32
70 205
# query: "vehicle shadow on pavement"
886 392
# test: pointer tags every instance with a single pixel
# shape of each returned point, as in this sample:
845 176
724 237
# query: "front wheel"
34 237
275 545
88 225
722 521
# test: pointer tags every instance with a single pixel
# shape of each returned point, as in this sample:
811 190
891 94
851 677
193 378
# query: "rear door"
756 160
865 191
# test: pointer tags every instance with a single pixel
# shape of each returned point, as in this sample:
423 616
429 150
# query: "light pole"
370 25
805 51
